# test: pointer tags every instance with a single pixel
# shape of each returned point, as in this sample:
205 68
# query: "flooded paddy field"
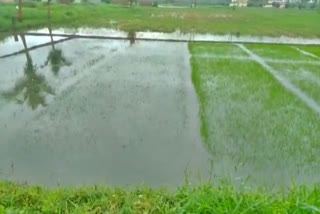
260 117
77 111
98 112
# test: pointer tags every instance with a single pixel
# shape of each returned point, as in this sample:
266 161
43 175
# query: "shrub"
275 4
29 4
287 4
256 3
69 13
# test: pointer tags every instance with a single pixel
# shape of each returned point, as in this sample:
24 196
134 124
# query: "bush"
155 4
65 1
256 3
313 6
287 5
69 13
105 1
275 4
290 5
29 4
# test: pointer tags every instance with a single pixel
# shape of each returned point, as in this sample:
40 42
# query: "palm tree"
49 9
20 15
32 86
55 57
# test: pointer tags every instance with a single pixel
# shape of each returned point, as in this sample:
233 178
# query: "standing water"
97 111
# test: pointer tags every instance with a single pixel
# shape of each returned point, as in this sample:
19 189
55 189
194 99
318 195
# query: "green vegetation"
219 20
311 49
249 120
282 52
300 69
16 198
304 75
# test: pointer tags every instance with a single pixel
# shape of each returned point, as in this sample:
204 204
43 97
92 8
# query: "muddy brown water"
111 112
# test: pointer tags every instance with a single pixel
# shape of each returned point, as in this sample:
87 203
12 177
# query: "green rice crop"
254 127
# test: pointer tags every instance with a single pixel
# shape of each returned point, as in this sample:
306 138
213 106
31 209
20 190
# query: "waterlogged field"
259 110
77 111
90 111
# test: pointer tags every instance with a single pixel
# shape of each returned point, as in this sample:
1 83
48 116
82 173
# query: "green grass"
306 77
219 20
15 198
251 124
311 49
282 52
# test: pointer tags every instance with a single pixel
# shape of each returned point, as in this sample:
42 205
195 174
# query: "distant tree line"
301 4
199 2
311 4
257 3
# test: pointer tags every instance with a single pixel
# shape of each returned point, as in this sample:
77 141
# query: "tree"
275 4
49 9
32 87
20 14
131 3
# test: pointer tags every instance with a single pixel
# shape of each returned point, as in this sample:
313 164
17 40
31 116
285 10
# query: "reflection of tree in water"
56 60
55 57
32 87
132 37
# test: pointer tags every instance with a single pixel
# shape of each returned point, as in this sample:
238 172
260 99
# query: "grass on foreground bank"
219 20
15 198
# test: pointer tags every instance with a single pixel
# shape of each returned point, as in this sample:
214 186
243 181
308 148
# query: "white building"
281 3
239 3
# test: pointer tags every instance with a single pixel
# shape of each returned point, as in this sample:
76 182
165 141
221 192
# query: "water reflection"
79 138
55 57
32 87
132 37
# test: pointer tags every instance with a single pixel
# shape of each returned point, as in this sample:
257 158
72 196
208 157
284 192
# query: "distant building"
6 1
239 3
276 3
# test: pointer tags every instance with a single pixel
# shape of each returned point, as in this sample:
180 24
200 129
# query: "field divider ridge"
306 53
285 82
245 58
